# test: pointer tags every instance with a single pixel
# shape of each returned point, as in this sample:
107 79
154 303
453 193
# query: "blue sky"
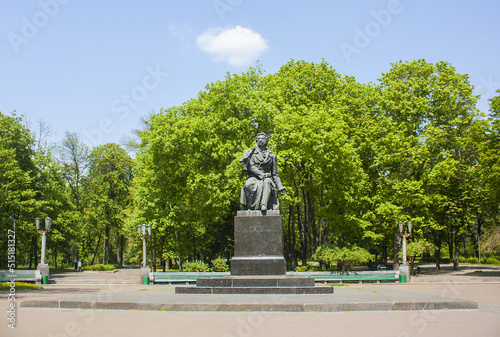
95 67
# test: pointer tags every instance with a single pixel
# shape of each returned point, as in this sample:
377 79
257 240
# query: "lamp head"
48 223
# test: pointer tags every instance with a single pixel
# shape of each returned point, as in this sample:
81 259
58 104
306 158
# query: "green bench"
21 276
179 277
320 277
351 277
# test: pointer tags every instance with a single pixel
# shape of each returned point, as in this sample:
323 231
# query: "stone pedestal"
258 265
256 285
258 244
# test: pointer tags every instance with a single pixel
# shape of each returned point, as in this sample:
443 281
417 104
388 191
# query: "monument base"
258 265
258 244
255 285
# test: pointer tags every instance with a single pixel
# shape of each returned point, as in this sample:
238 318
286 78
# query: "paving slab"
345 298
470 288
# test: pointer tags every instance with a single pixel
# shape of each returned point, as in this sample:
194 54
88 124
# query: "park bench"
21 276
351 277
179 277
319 277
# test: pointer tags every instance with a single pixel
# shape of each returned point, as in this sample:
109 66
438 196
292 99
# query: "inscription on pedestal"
258 245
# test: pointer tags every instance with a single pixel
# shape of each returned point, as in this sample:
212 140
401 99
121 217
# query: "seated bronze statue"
263 182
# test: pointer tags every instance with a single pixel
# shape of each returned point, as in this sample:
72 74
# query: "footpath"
473 287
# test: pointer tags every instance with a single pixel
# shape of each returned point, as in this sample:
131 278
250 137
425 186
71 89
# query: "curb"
322 307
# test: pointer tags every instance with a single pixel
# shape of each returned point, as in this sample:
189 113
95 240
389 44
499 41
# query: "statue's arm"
252 170
276 176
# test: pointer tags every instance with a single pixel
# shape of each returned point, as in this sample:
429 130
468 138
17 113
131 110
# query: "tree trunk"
106 245
178 250
96 250
32 251
477 237
437 254
303 237
197 245
119 250
294 240
450 245
457 253
397 243
154 252
287 236
313 225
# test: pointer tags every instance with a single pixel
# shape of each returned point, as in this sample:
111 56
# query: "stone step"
255 290
256 281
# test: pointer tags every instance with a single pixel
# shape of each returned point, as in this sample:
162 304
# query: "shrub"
472 260
101 267
345 258
219 265
490 260
196 266
301 268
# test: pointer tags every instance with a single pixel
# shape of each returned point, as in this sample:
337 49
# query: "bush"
490 260
472 260
101 267
196 266
345 258
219 265
301 268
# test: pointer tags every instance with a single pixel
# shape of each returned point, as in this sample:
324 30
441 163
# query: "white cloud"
237 46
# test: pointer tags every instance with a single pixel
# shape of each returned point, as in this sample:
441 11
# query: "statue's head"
262 139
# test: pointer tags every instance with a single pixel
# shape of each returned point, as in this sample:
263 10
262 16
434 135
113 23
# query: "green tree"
17 187
54 198
188 174
316 109
426 155
106 197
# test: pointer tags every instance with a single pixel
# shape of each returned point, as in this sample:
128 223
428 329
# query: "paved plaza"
462 303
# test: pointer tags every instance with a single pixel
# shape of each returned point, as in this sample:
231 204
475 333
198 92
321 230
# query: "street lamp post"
144 233
404 270
42 266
